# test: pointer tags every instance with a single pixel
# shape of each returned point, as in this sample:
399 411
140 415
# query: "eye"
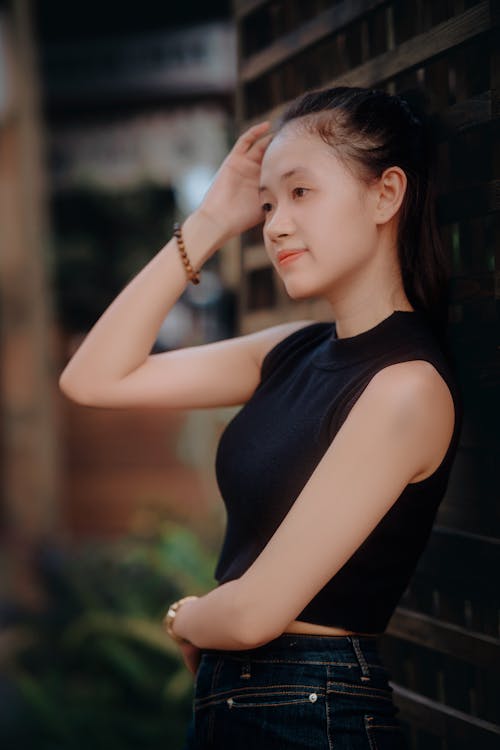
266 207
299 192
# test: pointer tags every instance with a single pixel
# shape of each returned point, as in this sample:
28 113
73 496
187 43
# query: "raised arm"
113 366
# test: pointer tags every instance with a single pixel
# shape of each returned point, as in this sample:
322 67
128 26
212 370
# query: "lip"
286 256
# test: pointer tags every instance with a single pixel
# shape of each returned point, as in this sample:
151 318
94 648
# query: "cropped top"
309 382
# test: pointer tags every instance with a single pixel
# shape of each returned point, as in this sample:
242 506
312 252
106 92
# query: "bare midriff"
310 628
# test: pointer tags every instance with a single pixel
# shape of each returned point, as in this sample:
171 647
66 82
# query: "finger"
258 149
248 138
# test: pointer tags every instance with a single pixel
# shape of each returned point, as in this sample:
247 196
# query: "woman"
333 469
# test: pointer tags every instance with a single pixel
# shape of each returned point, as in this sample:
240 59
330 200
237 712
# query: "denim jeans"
297 691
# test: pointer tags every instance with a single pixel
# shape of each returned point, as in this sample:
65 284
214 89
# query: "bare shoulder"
416 378
417 395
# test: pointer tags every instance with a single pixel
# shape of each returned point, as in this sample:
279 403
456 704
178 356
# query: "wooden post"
28 448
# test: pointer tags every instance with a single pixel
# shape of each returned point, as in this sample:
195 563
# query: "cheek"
268 245
342 236
349 205
346 216
264 234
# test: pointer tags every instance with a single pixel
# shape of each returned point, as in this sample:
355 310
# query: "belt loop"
365 672
246 671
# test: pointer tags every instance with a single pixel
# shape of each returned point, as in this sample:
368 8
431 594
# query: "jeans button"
313 697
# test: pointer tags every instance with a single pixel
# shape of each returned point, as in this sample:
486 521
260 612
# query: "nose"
279 225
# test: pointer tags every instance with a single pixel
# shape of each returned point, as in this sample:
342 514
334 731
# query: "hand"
232 200
191 655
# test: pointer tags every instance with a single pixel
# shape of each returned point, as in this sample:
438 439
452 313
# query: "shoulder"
416 381
416 399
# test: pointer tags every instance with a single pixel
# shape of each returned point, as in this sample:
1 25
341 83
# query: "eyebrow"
285 176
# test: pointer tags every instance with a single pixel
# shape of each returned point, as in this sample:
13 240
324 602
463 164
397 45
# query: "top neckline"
342 352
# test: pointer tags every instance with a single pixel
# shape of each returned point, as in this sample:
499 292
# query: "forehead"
293 148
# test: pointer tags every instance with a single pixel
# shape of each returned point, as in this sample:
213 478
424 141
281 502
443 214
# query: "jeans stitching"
295 702
263 691
289 694
361 688
328 733
335 686
215 674
260 694
365 672
297 661
306 686
265 705
211 715
371 740
304 661
364 694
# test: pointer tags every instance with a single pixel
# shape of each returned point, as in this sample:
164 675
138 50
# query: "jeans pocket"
259 706
241 685
274 696
263 696
384 732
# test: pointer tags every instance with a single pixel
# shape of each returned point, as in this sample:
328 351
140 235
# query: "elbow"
65 387
255 621
72 392
252 629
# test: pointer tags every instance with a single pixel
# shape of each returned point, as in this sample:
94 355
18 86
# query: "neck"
356 320
370 296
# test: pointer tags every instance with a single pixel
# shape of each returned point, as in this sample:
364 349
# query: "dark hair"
369 131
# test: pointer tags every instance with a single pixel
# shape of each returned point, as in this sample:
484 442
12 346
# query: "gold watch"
170 617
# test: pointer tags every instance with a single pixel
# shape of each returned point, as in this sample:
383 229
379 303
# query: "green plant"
95 669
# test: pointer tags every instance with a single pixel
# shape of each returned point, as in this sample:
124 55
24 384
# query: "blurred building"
138 124
111 126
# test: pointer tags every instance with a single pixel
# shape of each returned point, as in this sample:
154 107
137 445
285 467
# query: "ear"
389 193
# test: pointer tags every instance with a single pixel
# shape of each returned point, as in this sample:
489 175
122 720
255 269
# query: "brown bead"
191 273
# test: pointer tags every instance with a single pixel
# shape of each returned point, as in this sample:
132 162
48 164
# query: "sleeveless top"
309 382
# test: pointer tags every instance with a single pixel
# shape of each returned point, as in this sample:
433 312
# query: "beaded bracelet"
191 273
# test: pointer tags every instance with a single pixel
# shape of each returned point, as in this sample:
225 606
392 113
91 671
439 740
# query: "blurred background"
113 120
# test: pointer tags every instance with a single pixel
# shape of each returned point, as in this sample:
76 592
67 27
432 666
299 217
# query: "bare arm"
400 426
220 373
113 365
122 338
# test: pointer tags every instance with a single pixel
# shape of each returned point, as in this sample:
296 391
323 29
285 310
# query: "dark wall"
442 644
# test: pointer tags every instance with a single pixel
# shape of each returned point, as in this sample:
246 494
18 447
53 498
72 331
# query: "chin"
298 291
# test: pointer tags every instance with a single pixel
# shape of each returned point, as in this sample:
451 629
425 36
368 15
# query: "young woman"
333 470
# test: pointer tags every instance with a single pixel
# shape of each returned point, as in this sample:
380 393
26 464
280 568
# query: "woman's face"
314 205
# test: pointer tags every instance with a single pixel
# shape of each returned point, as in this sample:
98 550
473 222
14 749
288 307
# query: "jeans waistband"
341 648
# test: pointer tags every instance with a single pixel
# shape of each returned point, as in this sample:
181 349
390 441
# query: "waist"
311 628
341 651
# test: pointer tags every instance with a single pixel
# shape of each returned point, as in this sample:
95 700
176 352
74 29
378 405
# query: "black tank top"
309 382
